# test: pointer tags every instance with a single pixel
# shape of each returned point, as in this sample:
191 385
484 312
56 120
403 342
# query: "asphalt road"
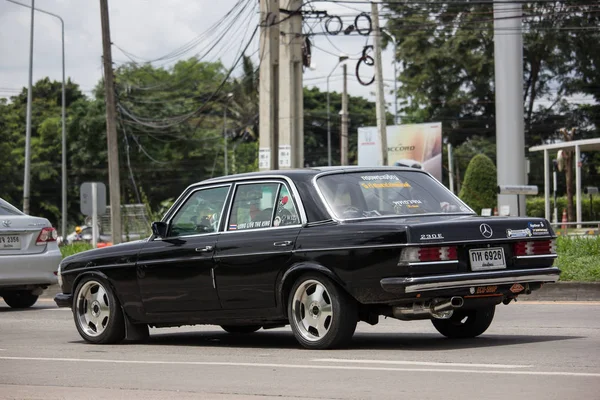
531 351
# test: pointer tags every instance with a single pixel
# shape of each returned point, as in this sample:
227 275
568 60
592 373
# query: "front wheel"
97 312
321 314
465 323
20 299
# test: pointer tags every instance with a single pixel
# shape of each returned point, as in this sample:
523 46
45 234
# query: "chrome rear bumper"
454 281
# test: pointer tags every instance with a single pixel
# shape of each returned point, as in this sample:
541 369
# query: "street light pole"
395 73
340 59
26 179
63 113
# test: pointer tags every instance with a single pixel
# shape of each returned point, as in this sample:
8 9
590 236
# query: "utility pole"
269 85
291 119
27 177
111 128
508 66
379 101
344 132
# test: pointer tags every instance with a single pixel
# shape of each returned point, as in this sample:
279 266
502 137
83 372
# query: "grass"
74 248
579 258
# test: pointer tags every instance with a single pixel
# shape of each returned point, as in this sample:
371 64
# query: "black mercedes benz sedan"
319 249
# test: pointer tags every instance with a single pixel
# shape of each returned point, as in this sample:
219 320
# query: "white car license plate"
486 259
10 242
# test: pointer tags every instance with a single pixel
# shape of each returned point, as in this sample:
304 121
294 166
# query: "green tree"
479 187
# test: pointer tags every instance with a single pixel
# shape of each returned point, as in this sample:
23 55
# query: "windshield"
7 209
387 193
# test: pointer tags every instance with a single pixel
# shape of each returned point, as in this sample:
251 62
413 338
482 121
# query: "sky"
150 29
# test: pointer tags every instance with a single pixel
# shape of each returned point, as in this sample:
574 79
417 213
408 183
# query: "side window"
253 206
200 213
286 213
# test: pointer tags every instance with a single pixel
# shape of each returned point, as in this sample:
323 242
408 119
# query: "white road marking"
304 366
56 309
431 364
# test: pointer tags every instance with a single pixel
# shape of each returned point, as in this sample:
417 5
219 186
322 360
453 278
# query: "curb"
565 291
560 291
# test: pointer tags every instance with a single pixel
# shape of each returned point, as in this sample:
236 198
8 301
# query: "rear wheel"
240 328
321 314
97 312
465 323
20 299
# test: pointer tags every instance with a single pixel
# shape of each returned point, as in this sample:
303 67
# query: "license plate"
486 259
10 242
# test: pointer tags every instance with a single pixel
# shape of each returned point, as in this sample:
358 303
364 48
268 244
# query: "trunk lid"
19 233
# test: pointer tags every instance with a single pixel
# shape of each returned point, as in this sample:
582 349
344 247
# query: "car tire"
20 299
321 314
465 323
240 328
97 312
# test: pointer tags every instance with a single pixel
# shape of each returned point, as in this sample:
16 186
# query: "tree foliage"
171 128
479 187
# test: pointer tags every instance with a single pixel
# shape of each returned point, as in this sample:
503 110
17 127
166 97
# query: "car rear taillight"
534 248
46 235
429 254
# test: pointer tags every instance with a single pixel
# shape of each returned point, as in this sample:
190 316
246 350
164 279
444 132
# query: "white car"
29 256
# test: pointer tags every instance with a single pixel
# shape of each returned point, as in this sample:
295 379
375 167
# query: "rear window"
387 193
7 209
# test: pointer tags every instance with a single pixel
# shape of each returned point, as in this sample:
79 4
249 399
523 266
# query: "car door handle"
283 243
204 249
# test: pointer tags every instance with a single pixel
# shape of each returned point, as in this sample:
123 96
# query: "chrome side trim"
374 246
536 256
258 253
97 267
419 263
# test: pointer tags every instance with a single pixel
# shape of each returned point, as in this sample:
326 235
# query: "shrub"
479 189
75 248
535 207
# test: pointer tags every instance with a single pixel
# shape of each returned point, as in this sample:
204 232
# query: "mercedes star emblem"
486 230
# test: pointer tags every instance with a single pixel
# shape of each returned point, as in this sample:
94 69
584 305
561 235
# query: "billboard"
417 142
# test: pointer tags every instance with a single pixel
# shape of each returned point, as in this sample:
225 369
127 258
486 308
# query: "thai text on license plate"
10 242
486 259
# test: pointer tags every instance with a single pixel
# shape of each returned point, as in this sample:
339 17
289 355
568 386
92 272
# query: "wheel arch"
96 274
291 275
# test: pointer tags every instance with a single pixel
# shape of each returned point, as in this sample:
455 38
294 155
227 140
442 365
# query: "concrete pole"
380 100
508 66
329 159
578 184
225 151
269 85
450 168
111 128
27 176
547 185
345 122
291 120
63 113
393 39
291 129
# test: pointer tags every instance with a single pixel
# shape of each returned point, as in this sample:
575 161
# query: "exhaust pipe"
440 309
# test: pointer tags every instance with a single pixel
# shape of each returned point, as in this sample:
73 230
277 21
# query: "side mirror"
159 229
